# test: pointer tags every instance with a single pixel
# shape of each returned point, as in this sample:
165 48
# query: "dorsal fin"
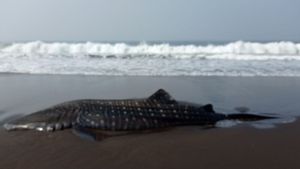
162 96
208 108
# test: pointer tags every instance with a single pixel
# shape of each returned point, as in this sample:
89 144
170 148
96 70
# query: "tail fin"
247 117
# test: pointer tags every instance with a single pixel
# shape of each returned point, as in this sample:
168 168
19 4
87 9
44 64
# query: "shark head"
27 123
46 120
25 126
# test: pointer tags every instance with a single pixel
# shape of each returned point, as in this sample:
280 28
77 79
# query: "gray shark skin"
158 111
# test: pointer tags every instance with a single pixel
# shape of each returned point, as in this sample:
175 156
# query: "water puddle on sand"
261 124
279 118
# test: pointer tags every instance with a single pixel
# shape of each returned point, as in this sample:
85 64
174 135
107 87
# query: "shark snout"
37 126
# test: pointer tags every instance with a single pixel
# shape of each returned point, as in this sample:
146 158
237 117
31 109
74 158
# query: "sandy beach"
241 146
238 147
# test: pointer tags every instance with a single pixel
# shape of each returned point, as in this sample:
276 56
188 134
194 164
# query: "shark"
99 118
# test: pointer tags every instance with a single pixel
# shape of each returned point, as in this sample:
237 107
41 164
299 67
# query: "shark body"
158 111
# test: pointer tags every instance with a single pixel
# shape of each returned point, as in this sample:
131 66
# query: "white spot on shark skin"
127 120
42 129
49 127
139 109
58 126
150 110
124 108
102 122
77 119
174 111
125 112
140 113
152 114
163 115
113 123
161 110
155 121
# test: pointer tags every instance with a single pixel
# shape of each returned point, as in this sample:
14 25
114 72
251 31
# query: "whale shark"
159 111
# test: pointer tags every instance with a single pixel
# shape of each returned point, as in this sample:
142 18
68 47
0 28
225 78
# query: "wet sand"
238 147
241 146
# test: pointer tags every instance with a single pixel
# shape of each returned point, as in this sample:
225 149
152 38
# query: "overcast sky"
138 20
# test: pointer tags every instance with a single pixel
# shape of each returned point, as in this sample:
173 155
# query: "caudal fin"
247 117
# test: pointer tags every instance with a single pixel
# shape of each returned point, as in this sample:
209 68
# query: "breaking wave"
162 59
107 50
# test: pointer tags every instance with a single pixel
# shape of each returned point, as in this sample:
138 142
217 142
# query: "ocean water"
152 59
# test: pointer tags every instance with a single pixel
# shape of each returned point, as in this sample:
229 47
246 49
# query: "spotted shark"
159 111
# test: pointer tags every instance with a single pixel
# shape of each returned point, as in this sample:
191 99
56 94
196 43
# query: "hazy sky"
101 20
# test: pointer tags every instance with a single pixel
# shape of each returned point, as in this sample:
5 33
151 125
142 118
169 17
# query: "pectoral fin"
96 134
